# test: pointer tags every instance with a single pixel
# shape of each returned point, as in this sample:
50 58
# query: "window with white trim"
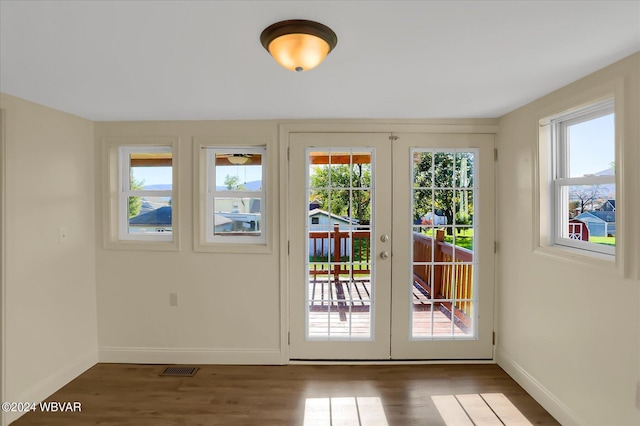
145 198
583 178
235 195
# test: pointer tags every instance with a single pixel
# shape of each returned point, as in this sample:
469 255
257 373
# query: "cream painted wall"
229 303
569 330
50 307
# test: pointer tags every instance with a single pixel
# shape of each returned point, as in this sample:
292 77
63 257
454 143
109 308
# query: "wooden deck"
343 311
340 290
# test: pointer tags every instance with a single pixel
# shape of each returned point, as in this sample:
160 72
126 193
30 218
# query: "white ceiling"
196 60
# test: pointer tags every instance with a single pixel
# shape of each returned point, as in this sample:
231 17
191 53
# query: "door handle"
384 255
384 238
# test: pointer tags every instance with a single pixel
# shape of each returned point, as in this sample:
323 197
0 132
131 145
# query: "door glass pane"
339 285
443 283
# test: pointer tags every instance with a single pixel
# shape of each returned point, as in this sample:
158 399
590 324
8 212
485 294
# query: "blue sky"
162 175
592 146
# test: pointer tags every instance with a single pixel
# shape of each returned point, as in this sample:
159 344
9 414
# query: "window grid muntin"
332 152
453 335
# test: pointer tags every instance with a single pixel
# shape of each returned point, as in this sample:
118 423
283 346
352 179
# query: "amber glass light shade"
298 45
299 51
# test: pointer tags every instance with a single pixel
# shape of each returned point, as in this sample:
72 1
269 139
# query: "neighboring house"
222 224
600 224
240 222
158 220
243 214
237 205
320 220
315 204
608 206
436 218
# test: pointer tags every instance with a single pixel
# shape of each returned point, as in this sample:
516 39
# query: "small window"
583 179
145 193
235 205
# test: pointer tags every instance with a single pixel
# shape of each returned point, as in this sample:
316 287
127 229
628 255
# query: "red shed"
578 230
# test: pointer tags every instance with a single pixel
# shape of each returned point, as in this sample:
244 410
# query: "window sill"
578 256
142 245
245 248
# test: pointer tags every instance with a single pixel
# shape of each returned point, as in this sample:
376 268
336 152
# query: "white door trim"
476 126
3 322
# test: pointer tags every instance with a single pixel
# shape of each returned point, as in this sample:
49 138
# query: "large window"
235 195
146 193
583 178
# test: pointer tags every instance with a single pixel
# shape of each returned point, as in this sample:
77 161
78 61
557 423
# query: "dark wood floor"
129 394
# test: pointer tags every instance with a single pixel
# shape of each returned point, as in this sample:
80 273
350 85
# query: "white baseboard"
550 402
135 355
51 384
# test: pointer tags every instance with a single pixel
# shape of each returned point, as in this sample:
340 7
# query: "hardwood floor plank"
505 409
478 410
129 394
371 411
451 410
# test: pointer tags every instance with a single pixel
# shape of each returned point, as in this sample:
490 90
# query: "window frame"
116 192
212 193
125 191
561 181
201 146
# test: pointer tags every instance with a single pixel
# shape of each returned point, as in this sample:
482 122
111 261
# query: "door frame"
469 126
3 322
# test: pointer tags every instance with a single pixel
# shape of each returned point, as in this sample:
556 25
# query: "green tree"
338 198
135 203
444 171
233 183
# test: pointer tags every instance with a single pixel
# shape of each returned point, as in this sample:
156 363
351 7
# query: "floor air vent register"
180 371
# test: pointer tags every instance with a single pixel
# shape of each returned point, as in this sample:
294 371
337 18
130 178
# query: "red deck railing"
336 252
443 270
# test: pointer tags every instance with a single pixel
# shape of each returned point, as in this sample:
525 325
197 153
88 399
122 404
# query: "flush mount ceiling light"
298 44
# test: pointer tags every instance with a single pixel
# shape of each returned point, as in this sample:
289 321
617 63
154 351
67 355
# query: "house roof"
106 60
157 217
597 217
605 215
319 212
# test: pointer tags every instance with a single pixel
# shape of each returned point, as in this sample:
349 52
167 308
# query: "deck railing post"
336 252
437 269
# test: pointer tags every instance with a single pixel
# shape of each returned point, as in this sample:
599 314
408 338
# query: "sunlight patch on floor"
361 411
486 409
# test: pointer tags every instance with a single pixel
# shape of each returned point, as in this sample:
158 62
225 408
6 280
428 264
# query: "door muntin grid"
339 286
444 223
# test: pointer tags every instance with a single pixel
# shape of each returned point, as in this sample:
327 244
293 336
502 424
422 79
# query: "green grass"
609 241
464 238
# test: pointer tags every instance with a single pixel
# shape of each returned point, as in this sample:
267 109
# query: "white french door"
340 288
391 246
